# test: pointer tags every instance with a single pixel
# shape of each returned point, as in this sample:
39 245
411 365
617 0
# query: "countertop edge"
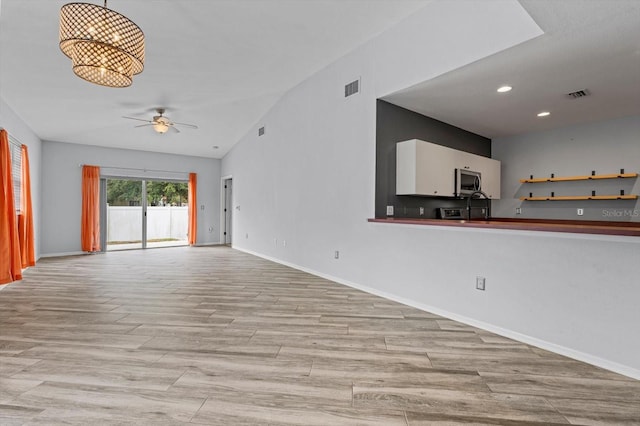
532 225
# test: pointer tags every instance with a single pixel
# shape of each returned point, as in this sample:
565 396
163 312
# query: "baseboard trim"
76 253
533 341
64 254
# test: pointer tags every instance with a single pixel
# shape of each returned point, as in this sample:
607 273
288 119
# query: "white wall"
62 183
310 181
17 128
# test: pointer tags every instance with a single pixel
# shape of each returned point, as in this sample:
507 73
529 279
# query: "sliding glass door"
145 213
124 214
167 213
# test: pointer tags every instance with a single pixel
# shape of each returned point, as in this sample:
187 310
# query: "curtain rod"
12 139
132 168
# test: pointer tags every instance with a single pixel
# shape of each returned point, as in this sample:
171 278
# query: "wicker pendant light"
105 47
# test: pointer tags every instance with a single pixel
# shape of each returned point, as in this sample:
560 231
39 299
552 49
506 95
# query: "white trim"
65 254
223 240
543 344
207 244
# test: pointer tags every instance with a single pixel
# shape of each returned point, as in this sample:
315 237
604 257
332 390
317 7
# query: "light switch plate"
389 210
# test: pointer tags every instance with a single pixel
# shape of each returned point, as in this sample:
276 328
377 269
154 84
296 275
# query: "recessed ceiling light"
504 89
543 113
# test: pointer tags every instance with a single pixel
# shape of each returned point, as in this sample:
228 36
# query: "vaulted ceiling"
223 64
218 64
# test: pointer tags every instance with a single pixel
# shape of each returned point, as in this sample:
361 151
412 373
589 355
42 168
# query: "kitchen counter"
544 225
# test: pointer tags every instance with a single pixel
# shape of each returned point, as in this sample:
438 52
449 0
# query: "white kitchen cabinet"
491 178
425 168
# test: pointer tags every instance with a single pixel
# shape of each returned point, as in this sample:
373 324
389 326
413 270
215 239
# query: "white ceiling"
592 45
220 64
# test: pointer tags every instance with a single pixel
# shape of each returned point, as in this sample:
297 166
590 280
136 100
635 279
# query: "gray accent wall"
395 124
604 147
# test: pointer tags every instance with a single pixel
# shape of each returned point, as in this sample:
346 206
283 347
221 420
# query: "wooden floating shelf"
581 197
586 177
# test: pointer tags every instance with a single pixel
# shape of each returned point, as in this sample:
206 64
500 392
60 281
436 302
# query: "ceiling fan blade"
193 126
174 128
144 125
138 119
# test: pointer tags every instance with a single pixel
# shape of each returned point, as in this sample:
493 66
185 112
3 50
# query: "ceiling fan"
162 124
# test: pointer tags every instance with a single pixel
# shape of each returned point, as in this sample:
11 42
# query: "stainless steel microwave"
467 182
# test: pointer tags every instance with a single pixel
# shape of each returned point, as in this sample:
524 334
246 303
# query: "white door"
228 209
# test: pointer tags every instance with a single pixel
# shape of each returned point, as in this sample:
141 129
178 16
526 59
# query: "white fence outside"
125 223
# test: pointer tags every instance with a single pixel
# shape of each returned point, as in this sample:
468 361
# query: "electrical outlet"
284 243
336 255
518 210
211 229
480 281
389 210
421 211
202 207
580 212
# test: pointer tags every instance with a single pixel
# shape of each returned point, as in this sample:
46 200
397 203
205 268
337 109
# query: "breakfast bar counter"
544 225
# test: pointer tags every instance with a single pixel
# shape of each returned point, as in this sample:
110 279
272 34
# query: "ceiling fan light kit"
161 124
105 47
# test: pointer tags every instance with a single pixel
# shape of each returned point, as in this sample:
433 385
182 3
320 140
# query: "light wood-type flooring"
214 336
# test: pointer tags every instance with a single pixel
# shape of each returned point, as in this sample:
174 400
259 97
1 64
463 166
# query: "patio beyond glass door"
145 214
124 214
167 213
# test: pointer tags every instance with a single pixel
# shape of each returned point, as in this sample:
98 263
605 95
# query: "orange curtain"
90 223
10 263
193 210
25 223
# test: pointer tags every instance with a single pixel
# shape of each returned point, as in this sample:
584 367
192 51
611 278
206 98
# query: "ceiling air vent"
352 88
261 131
578 94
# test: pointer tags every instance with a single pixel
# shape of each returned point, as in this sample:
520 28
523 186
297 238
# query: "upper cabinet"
490 170
425 168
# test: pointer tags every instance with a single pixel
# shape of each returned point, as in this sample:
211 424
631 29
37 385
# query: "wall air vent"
261 131
578 94
352 88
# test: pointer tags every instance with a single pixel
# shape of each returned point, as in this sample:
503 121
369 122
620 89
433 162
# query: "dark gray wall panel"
395 124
